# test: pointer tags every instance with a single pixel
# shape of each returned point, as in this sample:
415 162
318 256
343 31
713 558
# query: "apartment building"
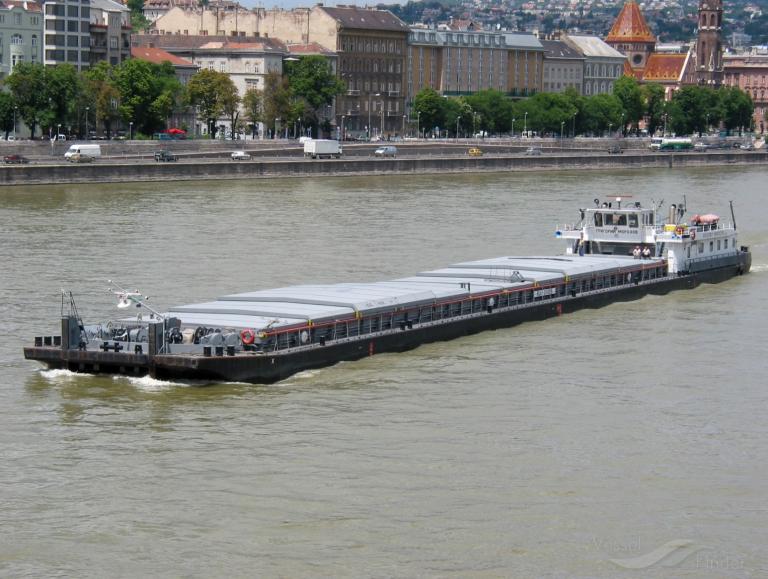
603 65
110 32
461 62
749 72
563 67
67 33
21 34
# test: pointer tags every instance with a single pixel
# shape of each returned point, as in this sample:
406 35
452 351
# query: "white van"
88 150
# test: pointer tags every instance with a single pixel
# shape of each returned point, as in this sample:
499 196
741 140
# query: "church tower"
709 43
631 35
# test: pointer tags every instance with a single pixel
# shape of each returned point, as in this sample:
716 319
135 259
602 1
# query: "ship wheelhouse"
610 229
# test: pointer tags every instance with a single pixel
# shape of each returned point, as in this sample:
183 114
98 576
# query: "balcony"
394 93
353 93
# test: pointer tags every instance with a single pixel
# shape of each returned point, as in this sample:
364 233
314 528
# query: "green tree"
7 105
29 90
737 108
601 113
215 94
276 100
252 103
494 109
546 112
430 107
102 96
627 90
312 80
690 109
139 22
148 93
653 102
64 90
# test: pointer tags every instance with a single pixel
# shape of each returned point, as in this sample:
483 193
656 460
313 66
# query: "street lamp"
622 124
562 127
525 124
457 127
86 122
15 110
130 128
58 131
418 124
342 127
610 126
665 124
573 126
369 113
707 127
381 127
403 133
513 127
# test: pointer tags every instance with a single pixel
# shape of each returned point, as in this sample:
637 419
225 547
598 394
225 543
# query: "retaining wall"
104 172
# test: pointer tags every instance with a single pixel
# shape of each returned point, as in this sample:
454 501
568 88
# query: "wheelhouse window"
616 219
633 220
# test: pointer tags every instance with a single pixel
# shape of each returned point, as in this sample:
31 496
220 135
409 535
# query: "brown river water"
629 441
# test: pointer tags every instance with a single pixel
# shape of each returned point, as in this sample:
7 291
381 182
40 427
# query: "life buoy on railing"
679 230
693 234
248 337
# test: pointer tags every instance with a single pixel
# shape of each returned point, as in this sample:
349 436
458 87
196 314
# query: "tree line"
692 109
143 96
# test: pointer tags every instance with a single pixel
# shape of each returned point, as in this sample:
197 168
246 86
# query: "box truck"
322 148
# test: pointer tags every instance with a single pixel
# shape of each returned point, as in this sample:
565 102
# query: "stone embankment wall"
126 172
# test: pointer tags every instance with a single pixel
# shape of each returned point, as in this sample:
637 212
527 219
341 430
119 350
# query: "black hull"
267 368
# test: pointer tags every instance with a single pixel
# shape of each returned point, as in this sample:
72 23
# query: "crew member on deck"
647 252
636 252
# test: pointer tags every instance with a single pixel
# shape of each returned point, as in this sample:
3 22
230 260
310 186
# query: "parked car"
80 158
533 151
165 156
615 150
20 159
240 156
747 147
475 152
701 147
386 151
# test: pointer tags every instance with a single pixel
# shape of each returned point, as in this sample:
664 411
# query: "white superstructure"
632 230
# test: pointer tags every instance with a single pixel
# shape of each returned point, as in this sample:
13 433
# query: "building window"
34 40
17 39
17 19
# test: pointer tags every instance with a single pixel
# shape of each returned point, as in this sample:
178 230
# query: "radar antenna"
127 298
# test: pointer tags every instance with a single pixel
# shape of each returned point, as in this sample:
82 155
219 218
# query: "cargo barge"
613 253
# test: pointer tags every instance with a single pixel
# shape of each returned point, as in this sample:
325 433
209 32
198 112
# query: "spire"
630 26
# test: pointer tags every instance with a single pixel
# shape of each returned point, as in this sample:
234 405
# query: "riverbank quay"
115 171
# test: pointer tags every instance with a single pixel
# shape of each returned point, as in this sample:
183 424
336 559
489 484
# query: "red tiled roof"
28 6
630 26
664 67
158 56
311 48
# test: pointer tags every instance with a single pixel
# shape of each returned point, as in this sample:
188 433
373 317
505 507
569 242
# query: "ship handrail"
470 315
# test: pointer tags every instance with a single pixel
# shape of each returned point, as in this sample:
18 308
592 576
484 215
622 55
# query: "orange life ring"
679 230
248 337
693 234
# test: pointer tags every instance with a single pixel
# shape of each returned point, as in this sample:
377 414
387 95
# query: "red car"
15 159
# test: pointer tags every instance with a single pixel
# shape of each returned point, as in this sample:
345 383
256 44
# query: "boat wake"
759 268
61 374
149 384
